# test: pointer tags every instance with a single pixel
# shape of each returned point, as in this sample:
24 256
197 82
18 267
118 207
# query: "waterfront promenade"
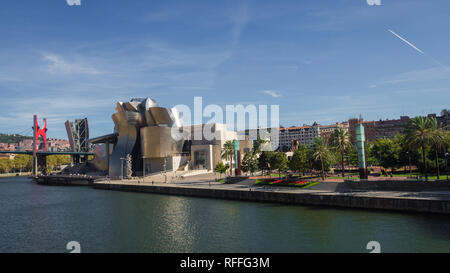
324 194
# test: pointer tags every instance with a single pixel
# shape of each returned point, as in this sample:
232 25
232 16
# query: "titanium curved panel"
144 103
149 119
157 142
135 118
148 103
161 116
131 106
175 115
125 140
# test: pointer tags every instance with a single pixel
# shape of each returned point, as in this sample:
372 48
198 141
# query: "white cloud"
422 91
240 20
430 74
161 15
163 55
57 65
272 93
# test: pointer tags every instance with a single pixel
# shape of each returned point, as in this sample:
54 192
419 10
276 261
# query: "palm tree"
321 152
228 153
259 142
340 140
419 133
437 141
221 168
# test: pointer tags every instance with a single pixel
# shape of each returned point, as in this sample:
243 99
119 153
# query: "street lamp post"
446 164
409 160
347 158
379 161
165 174
121 167
143 169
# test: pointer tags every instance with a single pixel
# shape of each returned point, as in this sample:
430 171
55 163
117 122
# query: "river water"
36 218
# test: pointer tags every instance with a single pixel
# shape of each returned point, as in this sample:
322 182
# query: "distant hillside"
4 138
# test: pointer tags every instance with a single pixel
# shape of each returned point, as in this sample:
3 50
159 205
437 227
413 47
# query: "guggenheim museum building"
143 135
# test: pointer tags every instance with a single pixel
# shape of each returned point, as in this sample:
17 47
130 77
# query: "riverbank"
429 202
6 175
66 180
412 196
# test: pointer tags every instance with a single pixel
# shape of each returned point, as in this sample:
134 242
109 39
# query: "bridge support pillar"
37 131
107 157
34 168
42 163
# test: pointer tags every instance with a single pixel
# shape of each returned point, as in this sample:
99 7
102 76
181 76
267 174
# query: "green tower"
360 139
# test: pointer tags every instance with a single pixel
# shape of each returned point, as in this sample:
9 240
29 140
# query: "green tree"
51 162
22 162
419 134
299 161
228 153
353 156
340 142
405 151
388 152
62 160
278 162
221 168
322 153
250 162
257 145
370 158
437 142
264 160
5 165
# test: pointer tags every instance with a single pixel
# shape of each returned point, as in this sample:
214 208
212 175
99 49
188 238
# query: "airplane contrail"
420 51
406 41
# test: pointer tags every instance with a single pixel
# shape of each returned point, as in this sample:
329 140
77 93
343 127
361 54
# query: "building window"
199 159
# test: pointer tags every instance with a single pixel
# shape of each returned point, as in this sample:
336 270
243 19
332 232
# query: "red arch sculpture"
40 132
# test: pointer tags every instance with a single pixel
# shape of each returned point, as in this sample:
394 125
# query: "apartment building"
374 130
369 129
327 130
55 145
443 119
304 135
390 127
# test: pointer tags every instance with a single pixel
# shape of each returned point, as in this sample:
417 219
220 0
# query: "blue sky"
321 61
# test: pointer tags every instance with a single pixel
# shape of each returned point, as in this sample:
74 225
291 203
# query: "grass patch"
340 177
405 174
310 184
421 176
277 175
441 177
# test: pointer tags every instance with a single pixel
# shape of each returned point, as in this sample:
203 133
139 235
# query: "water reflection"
43 219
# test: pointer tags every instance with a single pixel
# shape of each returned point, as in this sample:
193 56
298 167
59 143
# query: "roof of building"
103 139
294 128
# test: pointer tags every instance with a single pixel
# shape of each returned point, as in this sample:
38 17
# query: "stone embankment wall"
320 199
64 180
390 185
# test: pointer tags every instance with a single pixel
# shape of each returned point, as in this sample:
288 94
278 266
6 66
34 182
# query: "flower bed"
284 183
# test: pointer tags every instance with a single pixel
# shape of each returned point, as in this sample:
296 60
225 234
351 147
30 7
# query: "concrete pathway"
324 188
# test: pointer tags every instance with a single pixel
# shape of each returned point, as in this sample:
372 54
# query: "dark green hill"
5 138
